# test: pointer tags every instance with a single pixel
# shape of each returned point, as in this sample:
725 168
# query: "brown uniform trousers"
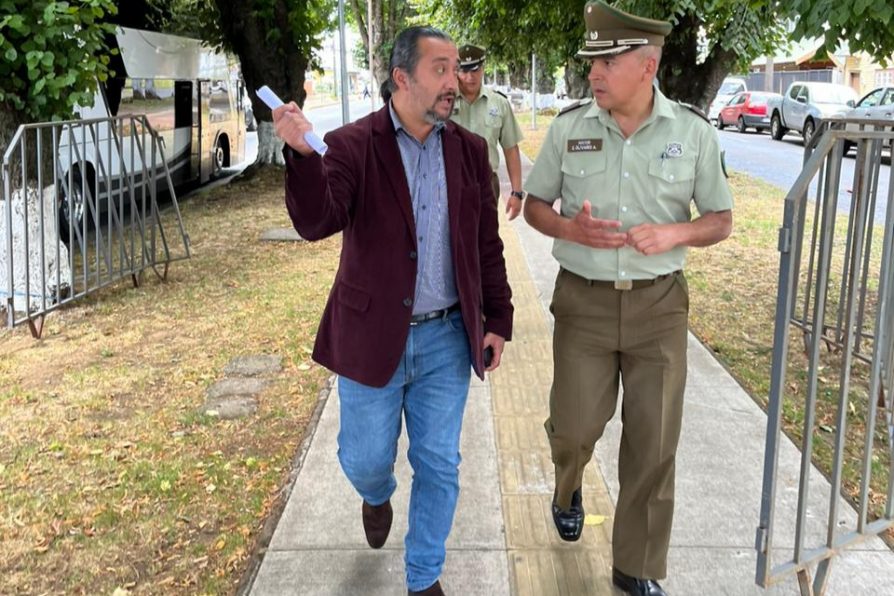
495 184
638 336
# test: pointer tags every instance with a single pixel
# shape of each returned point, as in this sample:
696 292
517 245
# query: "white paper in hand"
273 101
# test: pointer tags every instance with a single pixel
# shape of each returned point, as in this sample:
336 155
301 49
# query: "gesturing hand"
594 232
290 125
653 239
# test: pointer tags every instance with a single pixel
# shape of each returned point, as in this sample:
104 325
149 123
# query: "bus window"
155 99
220 102
183 104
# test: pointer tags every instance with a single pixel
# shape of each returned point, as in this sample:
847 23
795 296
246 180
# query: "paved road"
779 163
329 117
324 119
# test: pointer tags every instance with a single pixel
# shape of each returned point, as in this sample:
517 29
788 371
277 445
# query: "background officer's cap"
471 57
613 31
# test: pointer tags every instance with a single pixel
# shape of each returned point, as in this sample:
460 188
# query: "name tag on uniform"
581 145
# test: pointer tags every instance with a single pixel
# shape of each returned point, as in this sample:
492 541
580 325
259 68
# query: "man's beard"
432 117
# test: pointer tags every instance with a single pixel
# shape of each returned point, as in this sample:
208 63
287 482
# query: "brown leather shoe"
432 590
377 523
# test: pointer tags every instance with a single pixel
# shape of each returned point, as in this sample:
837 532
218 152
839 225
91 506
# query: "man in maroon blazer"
421 291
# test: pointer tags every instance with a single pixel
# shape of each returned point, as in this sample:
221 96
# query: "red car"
746 110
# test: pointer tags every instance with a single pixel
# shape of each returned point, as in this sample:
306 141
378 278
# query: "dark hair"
405 54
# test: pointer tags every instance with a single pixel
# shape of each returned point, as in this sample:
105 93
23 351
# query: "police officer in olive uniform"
488 114
626 167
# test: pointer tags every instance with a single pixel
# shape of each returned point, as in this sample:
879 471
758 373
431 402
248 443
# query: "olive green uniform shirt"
491 117
651 177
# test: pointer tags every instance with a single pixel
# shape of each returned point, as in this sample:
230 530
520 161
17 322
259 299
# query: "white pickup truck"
805 105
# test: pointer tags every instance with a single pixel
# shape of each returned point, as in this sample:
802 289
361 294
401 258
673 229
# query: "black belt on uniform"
435 314
623 284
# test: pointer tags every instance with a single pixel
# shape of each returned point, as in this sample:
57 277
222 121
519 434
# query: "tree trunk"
576 84
280 66
269 145
546 81
9 123
388 20
361 17
679 79
519 75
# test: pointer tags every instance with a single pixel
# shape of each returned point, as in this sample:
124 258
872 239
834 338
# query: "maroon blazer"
360 189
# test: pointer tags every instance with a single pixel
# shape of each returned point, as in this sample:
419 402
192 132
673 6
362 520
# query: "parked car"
747 110
729 87
806 104
878 104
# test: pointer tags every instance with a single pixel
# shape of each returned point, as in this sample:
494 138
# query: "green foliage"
511 29
198 19
53 53
305 21
710 37
865 25
742 30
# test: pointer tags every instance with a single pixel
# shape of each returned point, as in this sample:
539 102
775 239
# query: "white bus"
191 96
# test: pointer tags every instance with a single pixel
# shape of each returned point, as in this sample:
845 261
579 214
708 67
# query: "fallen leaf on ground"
594 520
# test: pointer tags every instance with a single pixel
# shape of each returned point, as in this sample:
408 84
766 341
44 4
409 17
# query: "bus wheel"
73 204
220 158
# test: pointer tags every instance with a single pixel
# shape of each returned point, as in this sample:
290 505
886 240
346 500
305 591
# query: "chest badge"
494 111
674 150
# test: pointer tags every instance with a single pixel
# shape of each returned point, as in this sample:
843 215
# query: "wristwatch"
518 193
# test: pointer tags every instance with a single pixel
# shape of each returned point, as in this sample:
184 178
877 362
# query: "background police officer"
626 167
488 114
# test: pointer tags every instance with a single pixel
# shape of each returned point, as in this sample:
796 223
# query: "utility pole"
345 109
533 91
369 36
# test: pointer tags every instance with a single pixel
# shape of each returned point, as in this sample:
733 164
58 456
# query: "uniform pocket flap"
581 165
676 169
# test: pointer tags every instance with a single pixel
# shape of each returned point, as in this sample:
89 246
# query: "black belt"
623 284
435 314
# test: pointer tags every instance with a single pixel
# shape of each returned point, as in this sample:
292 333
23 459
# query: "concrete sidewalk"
503 541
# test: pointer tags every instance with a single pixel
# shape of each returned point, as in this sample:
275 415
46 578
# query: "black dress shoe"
569 523
432 590
377 523
636 586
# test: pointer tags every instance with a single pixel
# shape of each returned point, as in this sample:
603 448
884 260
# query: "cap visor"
589 52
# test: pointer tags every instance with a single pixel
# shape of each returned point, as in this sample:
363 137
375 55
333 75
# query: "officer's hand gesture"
653 239
594 232
290 125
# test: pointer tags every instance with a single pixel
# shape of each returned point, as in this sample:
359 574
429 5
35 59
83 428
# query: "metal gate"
80 211
836 292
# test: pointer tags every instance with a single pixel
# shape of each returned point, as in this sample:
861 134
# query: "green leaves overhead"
710 38
53 52
302 22
864 24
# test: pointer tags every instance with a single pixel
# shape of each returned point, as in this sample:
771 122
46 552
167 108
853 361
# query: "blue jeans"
430 387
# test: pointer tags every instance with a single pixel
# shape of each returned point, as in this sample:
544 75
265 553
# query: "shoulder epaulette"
578 104
501 93
695 110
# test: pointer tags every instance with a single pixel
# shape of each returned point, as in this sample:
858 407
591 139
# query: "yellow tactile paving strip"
540 564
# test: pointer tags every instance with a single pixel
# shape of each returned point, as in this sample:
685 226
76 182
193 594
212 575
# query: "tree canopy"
711 38
53 53
864 24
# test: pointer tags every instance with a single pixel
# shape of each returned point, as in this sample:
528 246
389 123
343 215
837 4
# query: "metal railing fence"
80 211
836 287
